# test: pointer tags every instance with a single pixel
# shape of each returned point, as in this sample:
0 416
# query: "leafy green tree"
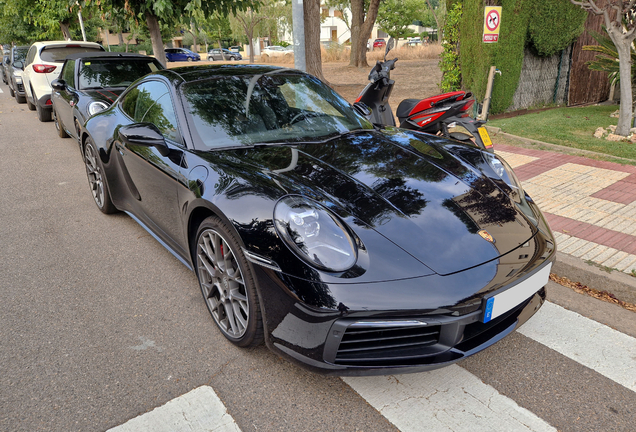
620 25
395 16
169 12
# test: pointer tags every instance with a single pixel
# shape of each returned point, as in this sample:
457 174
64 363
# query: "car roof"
195 73
106 55
65 43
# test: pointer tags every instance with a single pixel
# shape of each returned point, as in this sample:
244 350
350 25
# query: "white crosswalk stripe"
198 410
444 400
607 351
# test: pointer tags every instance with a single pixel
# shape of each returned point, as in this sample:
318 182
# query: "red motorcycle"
435 115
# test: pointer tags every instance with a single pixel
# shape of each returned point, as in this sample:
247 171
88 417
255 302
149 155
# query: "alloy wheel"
94 173
222 284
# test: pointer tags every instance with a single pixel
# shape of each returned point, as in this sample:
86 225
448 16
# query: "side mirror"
144 134
18 64
58 84
389 46
363 109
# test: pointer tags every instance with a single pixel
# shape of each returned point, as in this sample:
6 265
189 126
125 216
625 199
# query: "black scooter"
433 115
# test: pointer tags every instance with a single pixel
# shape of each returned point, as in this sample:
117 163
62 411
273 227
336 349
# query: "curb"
540 145
621 285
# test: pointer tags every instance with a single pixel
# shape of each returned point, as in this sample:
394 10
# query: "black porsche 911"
347 248
89 82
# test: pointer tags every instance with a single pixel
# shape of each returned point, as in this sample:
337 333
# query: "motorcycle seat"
405 107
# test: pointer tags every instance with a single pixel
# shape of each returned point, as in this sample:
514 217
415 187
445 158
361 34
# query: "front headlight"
505 173
517 194
95 107
315 234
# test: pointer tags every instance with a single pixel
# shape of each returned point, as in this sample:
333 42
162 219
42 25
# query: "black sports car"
89 82
349 249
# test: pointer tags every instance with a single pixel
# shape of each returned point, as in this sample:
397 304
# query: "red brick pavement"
623 192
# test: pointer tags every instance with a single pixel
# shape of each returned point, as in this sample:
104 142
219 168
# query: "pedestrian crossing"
451 399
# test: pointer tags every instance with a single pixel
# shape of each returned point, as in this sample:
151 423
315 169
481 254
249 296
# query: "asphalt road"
100 324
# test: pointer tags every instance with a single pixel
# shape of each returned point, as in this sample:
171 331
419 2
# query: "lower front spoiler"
475 338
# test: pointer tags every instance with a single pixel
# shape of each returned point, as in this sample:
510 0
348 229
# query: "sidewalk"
590 206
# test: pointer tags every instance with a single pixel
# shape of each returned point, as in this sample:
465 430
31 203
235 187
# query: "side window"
129 103
153 104
68 73
30 55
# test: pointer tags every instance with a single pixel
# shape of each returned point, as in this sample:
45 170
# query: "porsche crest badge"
486 236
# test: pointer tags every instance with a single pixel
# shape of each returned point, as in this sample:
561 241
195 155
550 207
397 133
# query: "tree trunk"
155 37
361 31
357 19
193 31
250 37
221 48
365 32
625 67
120 36
66 33
440 29
313 55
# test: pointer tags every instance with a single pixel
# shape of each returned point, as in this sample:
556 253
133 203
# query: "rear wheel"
28 102
44 115
97 178
227 284
58 126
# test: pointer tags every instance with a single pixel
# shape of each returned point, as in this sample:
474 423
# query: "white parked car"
277 51
42 65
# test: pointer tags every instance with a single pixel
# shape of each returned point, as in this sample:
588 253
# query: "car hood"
406 187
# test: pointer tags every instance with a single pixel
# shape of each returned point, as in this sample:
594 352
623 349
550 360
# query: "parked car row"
69 81
345 246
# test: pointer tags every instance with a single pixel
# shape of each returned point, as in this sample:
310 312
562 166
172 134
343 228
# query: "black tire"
189 59
97 178
210 58
44 115
11 92
20 99
60 128
28 102
227 284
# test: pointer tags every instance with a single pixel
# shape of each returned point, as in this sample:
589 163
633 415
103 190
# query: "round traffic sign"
492 20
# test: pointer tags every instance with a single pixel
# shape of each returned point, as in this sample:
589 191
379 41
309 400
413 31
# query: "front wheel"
97 178
58 126
227 284
189 59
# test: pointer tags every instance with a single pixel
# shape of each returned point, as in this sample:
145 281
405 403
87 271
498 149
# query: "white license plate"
501 303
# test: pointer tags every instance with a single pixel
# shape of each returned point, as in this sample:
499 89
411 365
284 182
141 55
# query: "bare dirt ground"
413 79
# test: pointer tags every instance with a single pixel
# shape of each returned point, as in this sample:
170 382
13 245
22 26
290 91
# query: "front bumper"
406 326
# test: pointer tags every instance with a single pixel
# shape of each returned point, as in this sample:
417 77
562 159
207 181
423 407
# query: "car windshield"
58 54
113 72
20 54
269 108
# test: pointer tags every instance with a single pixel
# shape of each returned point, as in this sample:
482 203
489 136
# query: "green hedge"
546 26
